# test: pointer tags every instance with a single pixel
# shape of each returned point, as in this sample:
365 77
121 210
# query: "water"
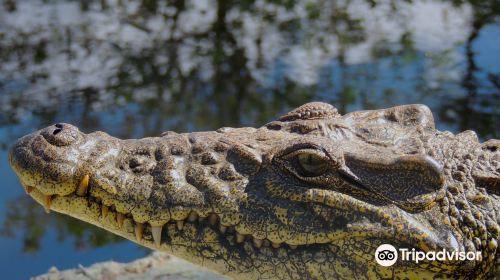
137 68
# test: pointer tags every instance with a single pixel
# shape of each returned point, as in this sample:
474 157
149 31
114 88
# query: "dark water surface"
137 68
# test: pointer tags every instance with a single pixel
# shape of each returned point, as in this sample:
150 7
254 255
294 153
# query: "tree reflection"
26 218
481 103
137 68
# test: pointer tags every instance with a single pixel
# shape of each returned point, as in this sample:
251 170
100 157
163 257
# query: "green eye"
312 164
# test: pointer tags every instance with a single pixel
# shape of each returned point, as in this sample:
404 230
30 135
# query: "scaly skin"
309 196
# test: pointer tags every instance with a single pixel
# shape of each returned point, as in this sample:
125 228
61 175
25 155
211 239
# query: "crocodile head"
310 195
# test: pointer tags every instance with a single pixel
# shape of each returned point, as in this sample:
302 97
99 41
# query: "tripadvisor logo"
387 255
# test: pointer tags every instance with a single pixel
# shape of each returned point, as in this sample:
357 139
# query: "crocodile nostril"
60 134
134 163
56 131
59 127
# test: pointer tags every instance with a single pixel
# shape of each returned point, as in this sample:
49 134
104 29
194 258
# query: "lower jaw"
181 243
192 237
173 238
90 211
82 209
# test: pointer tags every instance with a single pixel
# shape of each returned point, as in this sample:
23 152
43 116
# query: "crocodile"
310 195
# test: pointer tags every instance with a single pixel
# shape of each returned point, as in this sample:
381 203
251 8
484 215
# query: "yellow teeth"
83 186
266 243
180 225
293 246
222 228
156 231
275 245
139 229
239 237
193 216
29 189
104 211
212 219
258 242
47 203
119 219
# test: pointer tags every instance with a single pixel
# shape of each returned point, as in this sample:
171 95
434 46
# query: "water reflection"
25 219
136 68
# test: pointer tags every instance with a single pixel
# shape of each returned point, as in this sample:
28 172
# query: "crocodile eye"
311 163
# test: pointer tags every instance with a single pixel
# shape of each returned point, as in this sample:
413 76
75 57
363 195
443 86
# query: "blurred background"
137 68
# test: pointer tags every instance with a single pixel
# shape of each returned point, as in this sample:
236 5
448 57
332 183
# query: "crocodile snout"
46 160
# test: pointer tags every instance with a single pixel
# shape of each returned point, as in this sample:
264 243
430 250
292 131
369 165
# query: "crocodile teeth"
275 245
239 237
47 202
104 211
119 219
139 229
83 186
193 216
156 231
180 224
293 246
222 228
258 242
212 219
266 243
29 189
